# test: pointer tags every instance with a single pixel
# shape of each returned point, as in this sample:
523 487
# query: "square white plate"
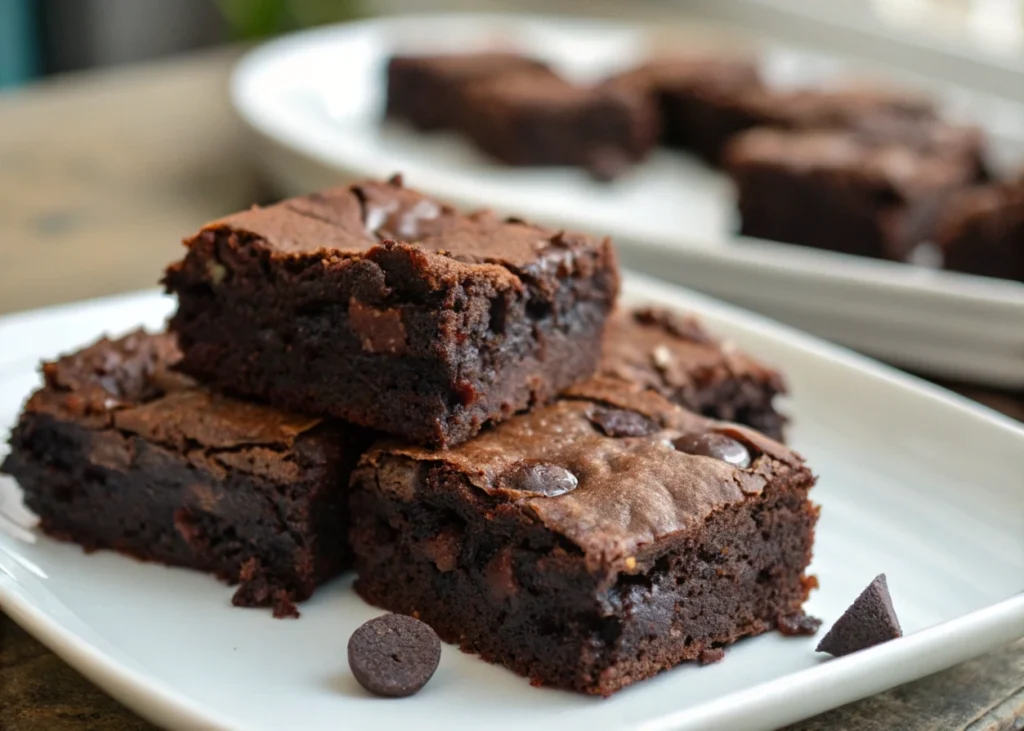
315 101
914 481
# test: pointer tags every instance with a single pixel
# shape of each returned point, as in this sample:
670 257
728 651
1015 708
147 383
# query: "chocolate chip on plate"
393 655
543 478
718 446
622 423
870 620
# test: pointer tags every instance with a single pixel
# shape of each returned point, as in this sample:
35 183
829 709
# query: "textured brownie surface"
983 232
840 190
378 305
676 357
578 546
426 91
542 119
118 451
700 98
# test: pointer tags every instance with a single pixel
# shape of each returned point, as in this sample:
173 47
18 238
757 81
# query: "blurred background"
42 37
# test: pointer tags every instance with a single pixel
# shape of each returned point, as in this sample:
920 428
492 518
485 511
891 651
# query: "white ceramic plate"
914 481
315 101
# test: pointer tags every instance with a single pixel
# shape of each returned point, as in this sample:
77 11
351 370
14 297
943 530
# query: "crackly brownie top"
839 107
667 352
129 386
467 66
547 91
668 73
892 166
348 222
615 470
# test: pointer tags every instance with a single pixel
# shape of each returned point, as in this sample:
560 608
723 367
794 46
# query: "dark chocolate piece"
380 306
870 620
716 446
119 451
394 655
582 559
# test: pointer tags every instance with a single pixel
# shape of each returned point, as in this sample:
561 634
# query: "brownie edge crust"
118 451
576 545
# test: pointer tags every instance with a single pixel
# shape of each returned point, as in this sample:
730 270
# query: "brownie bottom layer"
539 613
165 512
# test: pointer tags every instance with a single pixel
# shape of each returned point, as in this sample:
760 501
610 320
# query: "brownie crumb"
711 655
394 655
870 620
797 624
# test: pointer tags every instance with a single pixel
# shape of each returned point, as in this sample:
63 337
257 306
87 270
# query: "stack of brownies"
452 403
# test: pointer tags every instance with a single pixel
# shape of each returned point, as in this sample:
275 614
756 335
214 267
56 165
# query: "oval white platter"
314 101
914 482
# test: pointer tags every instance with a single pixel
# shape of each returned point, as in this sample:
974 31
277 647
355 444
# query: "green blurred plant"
249 19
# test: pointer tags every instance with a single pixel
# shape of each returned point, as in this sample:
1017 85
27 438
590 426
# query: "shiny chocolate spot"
718 446
622 423
543 478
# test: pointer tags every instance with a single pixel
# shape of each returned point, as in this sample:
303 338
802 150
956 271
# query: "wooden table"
100 176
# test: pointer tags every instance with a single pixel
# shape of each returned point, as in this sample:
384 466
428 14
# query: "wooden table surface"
100 177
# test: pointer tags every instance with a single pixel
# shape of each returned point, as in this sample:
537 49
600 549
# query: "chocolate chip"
711 444
622 423
797 624
393 655
543 478
869 621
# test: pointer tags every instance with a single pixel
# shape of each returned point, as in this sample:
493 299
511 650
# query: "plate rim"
954 640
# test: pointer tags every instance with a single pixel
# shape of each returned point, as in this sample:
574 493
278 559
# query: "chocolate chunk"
712 444
622 423
543 478
380 330
870 620
797 624
393 655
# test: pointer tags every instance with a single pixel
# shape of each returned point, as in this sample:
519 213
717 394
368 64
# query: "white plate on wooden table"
315 102
914 481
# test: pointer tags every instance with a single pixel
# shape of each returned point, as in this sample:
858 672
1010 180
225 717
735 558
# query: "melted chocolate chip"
622 423
543 478
393 655
718 446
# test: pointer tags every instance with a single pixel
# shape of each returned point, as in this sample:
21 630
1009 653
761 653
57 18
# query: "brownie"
592 542
983 231
118 451
536 119
378 305
841 191
426 90
676 357
700 98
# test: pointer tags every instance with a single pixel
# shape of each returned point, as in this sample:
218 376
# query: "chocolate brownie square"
383 307
700 98
841 190
117 451
592 542
983 231
426 90
533 119
676 357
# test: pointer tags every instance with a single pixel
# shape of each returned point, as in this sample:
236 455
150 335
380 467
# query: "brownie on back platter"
532 119
426 90
676 357
117 451
841 191
700 98
592 542
983 231
378 305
